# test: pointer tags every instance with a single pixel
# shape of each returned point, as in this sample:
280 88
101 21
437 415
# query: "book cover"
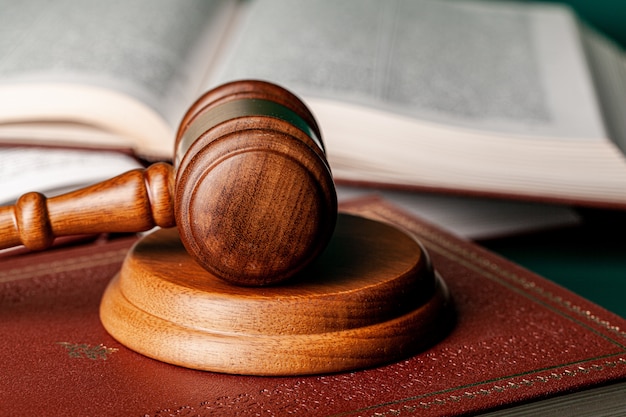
518 339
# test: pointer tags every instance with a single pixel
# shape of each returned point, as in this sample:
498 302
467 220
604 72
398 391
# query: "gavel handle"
135 201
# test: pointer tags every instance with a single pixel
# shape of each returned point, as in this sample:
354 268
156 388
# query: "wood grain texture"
370 298
253 196
135 201
256 201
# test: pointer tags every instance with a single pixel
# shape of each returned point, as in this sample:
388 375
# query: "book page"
472 218
608 65
154 50
52 171
507 67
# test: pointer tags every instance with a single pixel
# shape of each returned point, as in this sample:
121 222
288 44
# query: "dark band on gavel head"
244 107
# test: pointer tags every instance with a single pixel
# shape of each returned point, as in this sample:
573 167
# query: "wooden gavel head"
251 191
254 196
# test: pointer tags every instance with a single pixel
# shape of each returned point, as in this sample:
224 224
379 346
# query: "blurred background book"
102 78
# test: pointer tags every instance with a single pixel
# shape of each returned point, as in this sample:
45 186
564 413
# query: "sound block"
371 298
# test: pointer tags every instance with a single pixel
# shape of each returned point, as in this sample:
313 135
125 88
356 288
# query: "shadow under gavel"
250 192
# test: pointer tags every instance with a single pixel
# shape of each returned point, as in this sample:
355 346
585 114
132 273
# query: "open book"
485 98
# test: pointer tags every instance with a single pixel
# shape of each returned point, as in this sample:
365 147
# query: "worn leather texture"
517 338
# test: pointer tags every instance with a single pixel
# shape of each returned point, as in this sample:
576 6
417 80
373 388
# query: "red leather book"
519 339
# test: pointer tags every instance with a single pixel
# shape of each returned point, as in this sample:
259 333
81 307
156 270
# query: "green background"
591 259
608 16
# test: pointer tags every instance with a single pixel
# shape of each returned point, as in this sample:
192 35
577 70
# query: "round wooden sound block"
372 297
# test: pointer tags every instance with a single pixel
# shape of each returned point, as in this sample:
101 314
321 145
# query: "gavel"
250 190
